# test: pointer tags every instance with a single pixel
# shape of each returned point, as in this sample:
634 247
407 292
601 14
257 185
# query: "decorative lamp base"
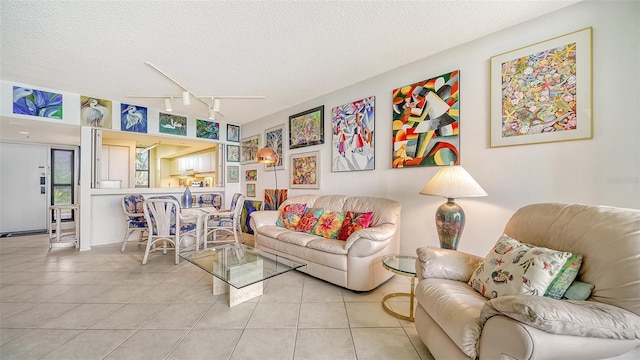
449 222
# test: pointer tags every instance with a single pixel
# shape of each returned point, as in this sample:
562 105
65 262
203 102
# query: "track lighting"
216 105
186 98
168 104
212 114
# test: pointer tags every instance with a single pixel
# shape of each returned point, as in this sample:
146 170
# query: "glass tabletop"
239 265
403 264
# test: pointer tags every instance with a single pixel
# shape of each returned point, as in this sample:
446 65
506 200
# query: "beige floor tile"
374 295
10 308
178 316
36 315
162 293
383 343
148 344
324 344
274 315
12 290
369 314
129 316
199 294
278 291
42 293
7 335
35 344
81 294
221 316
422 350
320 291
90 344
207 345
323 315
265 344
81 317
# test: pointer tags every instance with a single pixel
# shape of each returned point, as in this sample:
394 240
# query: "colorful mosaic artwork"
207 129
305 170
251 175
426 122
352 127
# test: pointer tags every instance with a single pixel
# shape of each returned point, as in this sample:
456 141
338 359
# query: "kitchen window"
142 168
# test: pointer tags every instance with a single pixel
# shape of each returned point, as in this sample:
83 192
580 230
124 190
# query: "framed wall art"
37 103
305 170
274 139
173 124
306 128
95 112
352 128
251 175
233 153
542 92
233 133
133 118
274 197
233 174
249 149
426 122
207 129
251 190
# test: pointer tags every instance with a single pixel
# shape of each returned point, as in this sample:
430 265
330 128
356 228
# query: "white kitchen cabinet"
115 164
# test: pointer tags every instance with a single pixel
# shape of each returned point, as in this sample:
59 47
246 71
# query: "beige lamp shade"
453 182
267 156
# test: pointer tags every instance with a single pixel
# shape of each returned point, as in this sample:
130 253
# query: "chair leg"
146 252
127 233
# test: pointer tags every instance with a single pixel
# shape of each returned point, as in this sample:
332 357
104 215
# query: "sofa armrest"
448 264
381 232
264 217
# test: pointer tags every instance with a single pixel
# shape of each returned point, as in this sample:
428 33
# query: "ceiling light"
168 104
216 105
186 98
24 132
212 114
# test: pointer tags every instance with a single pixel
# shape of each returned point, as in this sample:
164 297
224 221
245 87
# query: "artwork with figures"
352 127
173 124
133 118
273 138
95 112
274 197
249 207
306 128
37 103
249 149
207 129
426 122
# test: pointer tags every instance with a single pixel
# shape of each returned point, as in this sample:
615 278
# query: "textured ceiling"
288 51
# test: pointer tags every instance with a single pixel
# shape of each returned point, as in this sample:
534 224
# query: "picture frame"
233 133
233 153
306 128
274 139
233 174
352 129
249 149
251 190
251 175
305 170
543 92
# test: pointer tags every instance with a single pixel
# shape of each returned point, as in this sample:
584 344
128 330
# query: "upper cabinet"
198 163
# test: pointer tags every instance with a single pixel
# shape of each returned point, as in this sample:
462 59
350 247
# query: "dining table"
198 213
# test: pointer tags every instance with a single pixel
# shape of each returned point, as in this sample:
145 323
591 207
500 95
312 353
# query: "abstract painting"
306 128
95 112
251 175
249 207
426 122
274 139
233 133
251 190
207 129
274 197
173 124
305 170
249 149
133 118
542 92
352 132
37 103
233 174
233 153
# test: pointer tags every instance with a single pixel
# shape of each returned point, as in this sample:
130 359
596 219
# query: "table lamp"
451 182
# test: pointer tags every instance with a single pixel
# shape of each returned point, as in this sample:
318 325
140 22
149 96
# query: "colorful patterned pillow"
329 224
353 222
290 215
515 268
309 220
567 274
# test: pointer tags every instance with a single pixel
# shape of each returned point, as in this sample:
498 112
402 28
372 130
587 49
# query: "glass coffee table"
239 270
403 265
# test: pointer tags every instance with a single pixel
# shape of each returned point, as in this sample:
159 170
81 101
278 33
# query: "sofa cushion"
578 290
309 220
294 237
354 221
329 224
328 245
566 317
513 268
290 215
446 264
563 280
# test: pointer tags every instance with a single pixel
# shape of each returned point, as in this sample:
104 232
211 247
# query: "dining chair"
133 207
225 220
214 200
166 227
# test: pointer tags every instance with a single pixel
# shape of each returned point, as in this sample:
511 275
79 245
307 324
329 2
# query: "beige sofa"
355 263
454 321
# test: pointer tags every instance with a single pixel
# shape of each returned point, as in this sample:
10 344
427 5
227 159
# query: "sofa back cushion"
607 237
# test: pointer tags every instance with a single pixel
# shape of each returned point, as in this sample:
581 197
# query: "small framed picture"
306 128
305 170
249 149
233 174
233 133
233 153
251 175
274 139
251 190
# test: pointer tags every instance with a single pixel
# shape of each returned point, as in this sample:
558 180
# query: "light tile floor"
102 304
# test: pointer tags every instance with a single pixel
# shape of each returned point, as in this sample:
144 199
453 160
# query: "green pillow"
578 290
565 277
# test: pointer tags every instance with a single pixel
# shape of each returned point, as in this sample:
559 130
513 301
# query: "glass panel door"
62 175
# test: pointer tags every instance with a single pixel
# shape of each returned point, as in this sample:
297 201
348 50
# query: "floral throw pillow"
353 222
515 268
309 220
329 224
290 215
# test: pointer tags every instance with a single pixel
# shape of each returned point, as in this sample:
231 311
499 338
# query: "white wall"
604 170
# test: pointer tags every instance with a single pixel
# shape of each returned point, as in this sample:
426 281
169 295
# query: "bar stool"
59 236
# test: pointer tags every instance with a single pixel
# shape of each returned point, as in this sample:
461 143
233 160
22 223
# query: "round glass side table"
404 265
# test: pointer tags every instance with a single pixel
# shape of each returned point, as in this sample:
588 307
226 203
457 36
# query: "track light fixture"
186 98
168 104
